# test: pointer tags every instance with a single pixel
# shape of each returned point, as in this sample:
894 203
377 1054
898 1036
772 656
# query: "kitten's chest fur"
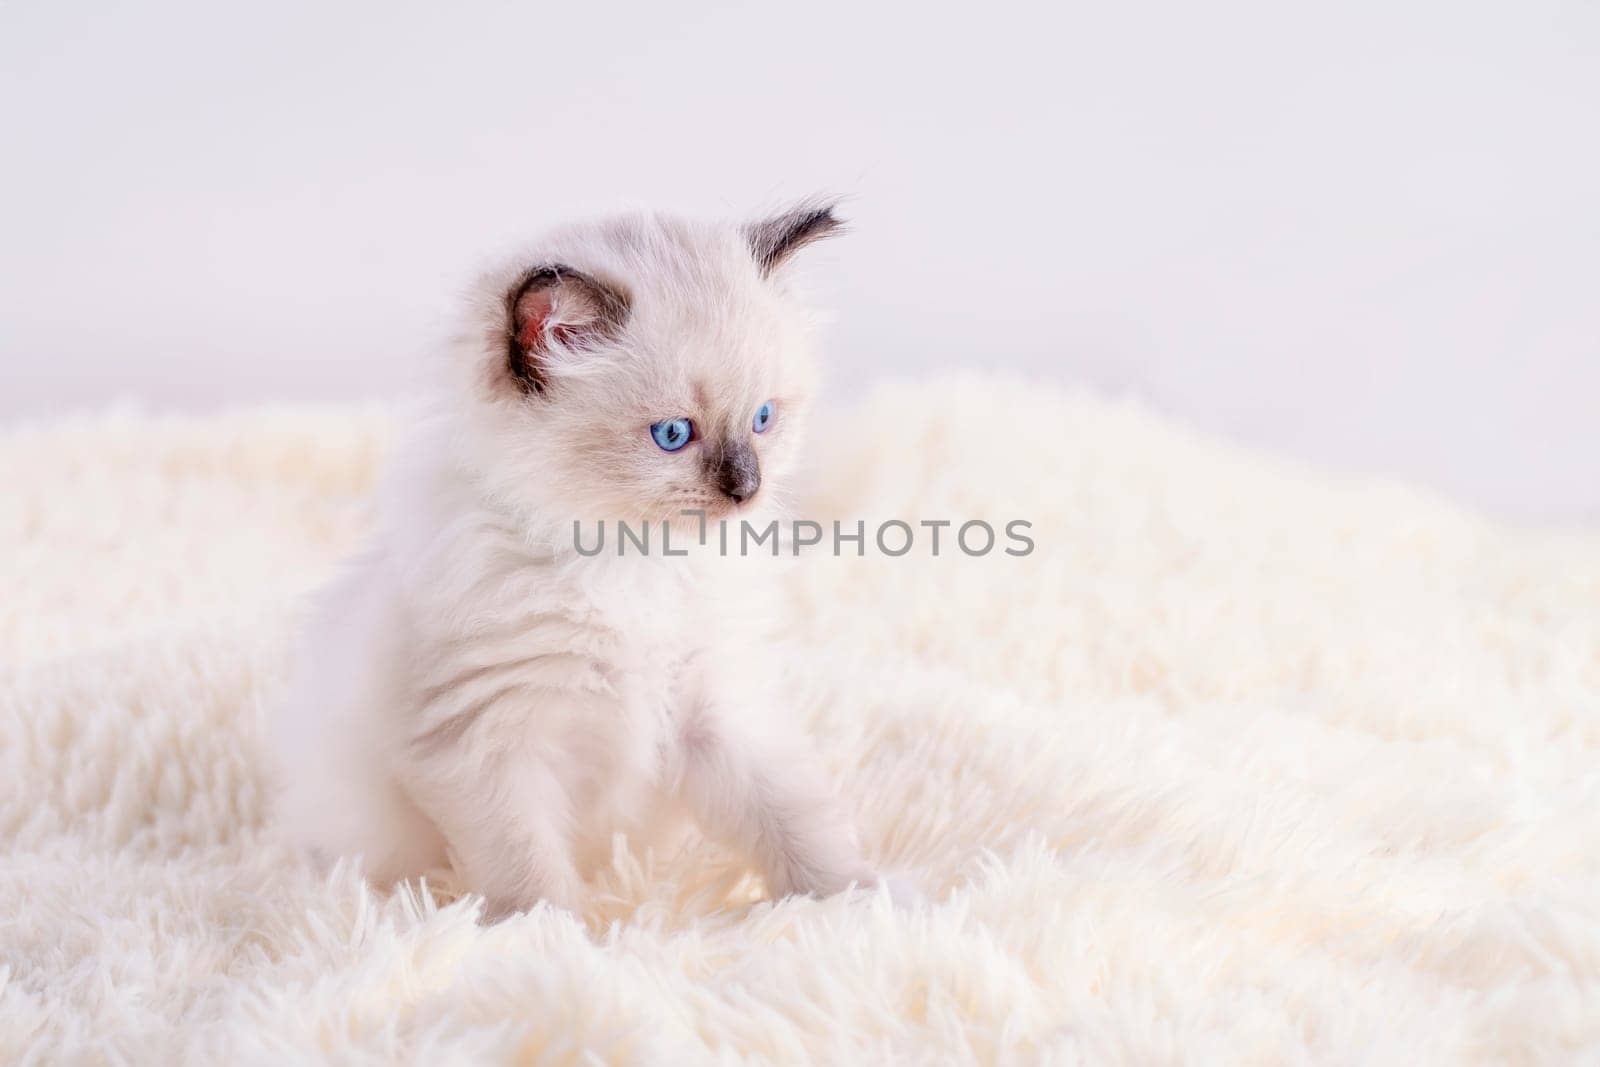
593 667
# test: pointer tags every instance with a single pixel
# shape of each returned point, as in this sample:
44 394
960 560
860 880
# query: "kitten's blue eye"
672 434
764 416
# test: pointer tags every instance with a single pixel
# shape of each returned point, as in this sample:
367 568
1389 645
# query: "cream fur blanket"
1241 765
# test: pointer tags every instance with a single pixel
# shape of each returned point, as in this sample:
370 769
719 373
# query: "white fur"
475 691
1243 764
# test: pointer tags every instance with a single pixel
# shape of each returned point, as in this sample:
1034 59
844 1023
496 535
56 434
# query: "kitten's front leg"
506 823
760 791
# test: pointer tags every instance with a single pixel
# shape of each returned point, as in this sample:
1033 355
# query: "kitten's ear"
774 240
555 309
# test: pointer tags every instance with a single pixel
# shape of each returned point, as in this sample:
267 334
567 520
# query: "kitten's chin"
713 510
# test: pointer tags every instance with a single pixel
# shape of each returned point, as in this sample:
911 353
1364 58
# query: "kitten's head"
638 367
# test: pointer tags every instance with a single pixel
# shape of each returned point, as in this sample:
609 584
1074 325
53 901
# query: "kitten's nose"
737 472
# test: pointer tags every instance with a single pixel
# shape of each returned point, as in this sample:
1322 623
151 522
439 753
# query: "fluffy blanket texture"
1242 764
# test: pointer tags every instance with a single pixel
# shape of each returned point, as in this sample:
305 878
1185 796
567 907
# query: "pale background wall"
1364 233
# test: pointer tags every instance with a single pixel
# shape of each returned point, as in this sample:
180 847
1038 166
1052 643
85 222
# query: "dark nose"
737 472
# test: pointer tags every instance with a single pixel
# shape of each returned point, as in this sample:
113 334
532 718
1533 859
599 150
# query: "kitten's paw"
903 892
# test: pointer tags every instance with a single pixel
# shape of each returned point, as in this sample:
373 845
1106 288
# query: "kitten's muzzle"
735 471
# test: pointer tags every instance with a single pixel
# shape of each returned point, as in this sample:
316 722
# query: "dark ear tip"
824 210
774 240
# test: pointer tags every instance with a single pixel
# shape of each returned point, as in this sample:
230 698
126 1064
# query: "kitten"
476 691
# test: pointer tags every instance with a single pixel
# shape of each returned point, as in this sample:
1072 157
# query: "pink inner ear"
534 311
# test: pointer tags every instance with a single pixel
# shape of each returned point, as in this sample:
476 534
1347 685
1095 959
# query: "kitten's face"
645 367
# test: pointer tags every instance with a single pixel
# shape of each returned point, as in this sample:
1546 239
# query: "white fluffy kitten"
474 690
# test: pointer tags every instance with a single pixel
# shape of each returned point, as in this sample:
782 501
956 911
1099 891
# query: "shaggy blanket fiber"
1241 765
